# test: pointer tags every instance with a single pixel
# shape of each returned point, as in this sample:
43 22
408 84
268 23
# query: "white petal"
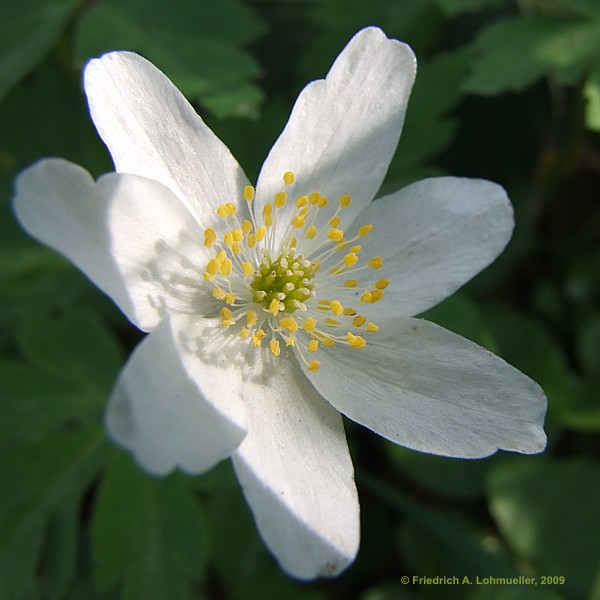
434 236
130 235
297 475
344 129
151 130
426 388
178 401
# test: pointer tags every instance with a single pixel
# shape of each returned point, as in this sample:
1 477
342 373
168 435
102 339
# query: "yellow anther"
350 259
267 209
355 340
246 226
274 347
314 197
268 220
228 238
301 201
236 248
376 262
304 211
381 284
238 234
288 178
229 298
356 248
289 323
298 221
258 337
225 313
248 193
247 268
349 312
275 306
226 266
313 345
290 341
376 295
327 341
313 365
365 230
336 308
244 333
251 318
345 200
218 294
309 324
372 328
351 283
213 266
251 240
335 234
335 221
260 233
280 199
331 322
323 304
359 320
366 297
223 211
210 237
230 209
322 202
311 232
293 242
221 256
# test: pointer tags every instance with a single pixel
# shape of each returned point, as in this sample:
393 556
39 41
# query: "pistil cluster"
271 289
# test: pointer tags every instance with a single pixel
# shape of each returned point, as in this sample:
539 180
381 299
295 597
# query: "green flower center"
284 284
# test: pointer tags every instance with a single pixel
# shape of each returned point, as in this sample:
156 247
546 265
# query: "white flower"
273 311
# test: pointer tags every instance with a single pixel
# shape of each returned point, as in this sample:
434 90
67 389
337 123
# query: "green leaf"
456 7
591 92
513 592
588 347
35 480
548 512
148 533
515 53
199 45
28 30
75 348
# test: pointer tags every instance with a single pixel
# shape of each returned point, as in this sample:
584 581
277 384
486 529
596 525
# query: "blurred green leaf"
514 592
148 533
391 590
36 480
548 512
428 128
455 7
515 53
76 348
199 45
579 7
588 347
591 92
28 30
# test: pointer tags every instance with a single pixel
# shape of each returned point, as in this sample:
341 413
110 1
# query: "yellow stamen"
290 324
210 237
355 340
350 259
313 345
327 341
349 312
335 221
351 283
274 347
246 226
226 266
301 201
335 234
225 313
356 248
280 199
345 200
244 333
376 295
336 308
381 284
275 306
251 318
311 232
258 337
366 297
248 193
313 365
229 298
247 268
372 328
309 324
298 221
365 230
376 262
359 321
288 178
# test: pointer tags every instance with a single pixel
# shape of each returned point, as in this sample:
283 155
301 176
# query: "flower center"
285 284
267 270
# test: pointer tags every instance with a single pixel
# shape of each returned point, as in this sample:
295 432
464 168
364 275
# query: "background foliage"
506 90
